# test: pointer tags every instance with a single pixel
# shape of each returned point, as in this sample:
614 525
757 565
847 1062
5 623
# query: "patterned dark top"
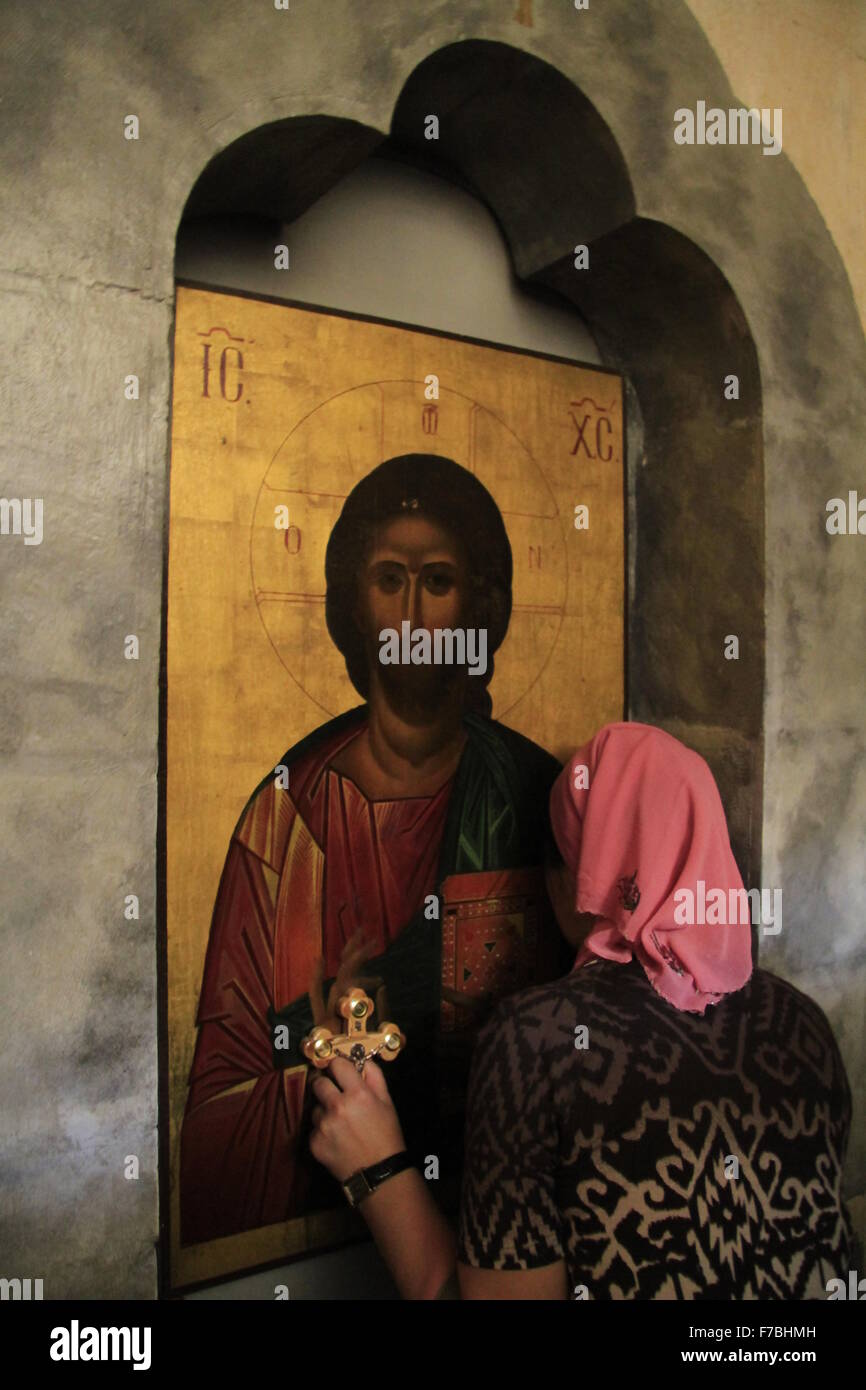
613 1156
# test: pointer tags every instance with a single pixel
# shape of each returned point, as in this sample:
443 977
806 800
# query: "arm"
237 1143
412 1235
355 1125
510 1241
424 1265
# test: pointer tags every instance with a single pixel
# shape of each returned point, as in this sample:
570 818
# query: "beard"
417 694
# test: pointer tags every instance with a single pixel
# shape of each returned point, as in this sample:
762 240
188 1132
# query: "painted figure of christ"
384 805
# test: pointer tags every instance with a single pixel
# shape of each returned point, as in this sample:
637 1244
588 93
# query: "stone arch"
523 138
548 166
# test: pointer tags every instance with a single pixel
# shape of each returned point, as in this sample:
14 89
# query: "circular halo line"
476 404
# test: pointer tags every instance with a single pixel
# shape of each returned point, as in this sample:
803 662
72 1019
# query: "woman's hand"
354 1123
355 952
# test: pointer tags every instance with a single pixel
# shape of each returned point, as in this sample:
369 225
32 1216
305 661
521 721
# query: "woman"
664 1122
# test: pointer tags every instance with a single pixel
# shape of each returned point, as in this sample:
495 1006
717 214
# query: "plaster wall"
86 276
809 58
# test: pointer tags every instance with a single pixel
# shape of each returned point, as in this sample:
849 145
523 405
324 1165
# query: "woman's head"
640 827
559 882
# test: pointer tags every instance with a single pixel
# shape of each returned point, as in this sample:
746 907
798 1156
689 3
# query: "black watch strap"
366 1180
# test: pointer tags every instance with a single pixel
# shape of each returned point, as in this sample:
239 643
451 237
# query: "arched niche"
524 139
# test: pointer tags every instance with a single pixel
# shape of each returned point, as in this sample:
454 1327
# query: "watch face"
356 1187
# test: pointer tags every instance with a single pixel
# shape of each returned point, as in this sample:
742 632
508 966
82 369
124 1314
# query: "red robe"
304 869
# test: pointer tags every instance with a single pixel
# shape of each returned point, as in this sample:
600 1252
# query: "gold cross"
357 1045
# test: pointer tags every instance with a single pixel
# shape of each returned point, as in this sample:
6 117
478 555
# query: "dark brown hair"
431 486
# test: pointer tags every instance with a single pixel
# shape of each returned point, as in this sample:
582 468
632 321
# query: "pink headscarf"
650 823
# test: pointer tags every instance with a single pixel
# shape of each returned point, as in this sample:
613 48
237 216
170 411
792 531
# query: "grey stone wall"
86 272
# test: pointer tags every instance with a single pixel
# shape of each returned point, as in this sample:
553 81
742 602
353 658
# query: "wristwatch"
366 1180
